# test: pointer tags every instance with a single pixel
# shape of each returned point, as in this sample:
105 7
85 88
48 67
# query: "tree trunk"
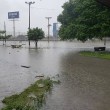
3 42
29 43
105 41
36 43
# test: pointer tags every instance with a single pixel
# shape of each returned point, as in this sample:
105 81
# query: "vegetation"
104 55
35 34
3 36
30 99
83 20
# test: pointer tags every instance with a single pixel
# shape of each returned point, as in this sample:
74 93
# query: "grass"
31 98
103 55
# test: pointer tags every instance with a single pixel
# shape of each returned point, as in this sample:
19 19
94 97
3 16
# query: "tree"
3 36
83 20
35 34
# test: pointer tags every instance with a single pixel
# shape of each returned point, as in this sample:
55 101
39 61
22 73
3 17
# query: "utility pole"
29 3
5 31
48 18
13 27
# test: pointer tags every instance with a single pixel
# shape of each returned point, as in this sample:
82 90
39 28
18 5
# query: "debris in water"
40 76
32 96
41 85
25 66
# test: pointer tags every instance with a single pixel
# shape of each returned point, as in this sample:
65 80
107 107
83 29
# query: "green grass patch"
31 98
103 55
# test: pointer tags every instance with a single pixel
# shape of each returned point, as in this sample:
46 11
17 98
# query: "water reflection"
85 83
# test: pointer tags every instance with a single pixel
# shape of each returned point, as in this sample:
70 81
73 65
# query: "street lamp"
48 18
29 3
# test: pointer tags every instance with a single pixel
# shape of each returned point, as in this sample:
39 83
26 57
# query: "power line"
45 9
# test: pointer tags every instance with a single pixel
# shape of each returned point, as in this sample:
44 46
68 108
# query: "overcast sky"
39 10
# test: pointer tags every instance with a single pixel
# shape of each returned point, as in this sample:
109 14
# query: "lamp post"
29 3
48 18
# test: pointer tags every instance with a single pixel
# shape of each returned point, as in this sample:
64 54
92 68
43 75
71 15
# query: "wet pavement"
85 81
85 85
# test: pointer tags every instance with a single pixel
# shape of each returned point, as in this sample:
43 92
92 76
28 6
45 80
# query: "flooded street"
85 82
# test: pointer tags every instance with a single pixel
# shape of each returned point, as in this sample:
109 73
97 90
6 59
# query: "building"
55 30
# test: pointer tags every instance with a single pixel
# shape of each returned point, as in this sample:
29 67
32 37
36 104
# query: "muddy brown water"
85 82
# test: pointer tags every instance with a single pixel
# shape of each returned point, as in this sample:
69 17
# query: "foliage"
2 32
83 20
34 93
8 36
35 34
103 55
3 36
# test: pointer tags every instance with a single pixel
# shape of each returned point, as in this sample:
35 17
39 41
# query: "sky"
39 10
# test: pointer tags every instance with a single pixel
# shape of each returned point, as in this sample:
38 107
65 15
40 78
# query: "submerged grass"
103 55
31 98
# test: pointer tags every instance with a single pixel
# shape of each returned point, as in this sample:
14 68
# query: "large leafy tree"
35 34
84 19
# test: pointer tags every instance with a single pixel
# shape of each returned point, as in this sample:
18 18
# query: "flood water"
85 82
